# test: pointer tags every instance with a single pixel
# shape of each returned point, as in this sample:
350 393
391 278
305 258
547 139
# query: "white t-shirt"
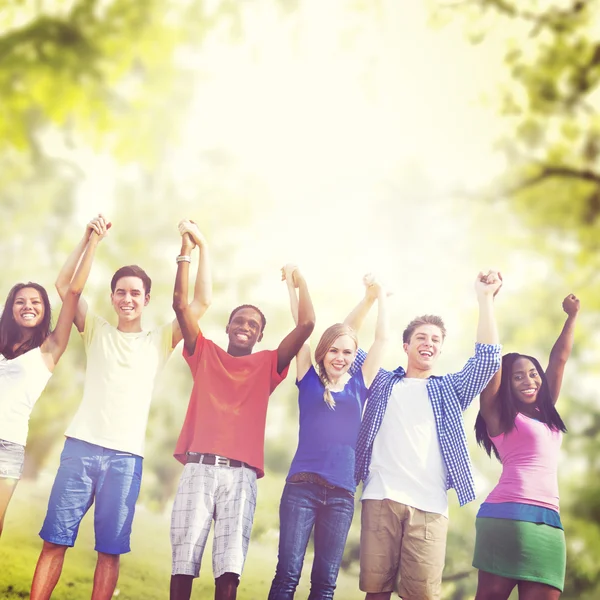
407 465
119 380
22 381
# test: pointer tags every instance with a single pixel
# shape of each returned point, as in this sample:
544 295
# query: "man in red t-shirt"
222 440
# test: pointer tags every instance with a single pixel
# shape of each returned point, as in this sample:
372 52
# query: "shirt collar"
400 372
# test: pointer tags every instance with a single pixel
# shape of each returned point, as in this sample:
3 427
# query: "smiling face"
244 330
423 348
28 308
129 299
525 381
339 357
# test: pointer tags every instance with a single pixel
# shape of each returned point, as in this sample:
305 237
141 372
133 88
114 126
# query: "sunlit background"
421 141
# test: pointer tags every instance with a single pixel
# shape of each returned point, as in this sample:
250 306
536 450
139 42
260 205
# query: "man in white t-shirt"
102 459
412 448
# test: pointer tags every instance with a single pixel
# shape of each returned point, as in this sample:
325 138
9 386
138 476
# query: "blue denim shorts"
12 457
89 473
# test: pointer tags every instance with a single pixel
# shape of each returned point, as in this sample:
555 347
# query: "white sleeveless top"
22 381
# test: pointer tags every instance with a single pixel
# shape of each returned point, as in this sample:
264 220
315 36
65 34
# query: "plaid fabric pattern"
207 493
450 395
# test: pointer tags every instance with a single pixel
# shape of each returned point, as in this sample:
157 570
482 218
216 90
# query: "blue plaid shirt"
449 395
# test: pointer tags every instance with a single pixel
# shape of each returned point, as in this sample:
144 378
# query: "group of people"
400 433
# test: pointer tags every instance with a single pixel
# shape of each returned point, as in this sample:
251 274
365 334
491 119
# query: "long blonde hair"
327 340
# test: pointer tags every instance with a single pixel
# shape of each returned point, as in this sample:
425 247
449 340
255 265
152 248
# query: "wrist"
183 258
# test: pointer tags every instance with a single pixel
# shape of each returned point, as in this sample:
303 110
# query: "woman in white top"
29 351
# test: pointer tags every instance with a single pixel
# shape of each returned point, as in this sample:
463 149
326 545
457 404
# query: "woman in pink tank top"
520 540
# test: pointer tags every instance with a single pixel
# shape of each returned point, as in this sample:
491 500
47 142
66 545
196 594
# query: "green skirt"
521 550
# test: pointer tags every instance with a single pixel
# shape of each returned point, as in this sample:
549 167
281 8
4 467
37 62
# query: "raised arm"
56 343
486 287
293 341
303 360
359 312
100 225
562 347
374 358
189 313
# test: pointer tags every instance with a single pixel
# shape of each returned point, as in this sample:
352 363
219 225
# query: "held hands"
571 305
99 226
291 274
191 234
373 287
488 284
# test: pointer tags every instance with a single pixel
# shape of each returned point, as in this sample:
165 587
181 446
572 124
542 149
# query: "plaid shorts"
207 492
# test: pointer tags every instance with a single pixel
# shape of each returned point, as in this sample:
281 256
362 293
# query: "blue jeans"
304 505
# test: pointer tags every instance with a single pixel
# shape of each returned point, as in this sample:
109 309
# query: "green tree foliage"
550 102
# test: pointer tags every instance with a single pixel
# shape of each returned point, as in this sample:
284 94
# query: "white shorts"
207 492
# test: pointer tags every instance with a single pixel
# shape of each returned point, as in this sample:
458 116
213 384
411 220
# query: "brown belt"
214 459
311 478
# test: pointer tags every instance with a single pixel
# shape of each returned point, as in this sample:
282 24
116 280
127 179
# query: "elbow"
73 291
179 304
205 305
61 288
307 326
382 337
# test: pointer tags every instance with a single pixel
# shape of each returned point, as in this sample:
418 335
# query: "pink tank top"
529 456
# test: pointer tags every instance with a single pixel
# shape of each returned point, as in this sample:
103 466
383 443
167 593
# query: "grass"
145 572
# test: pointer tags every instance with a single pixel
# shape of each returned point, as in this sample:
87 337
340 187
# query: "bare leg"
47 571
7 488
226 586
181 587
378 596
532 590
493 587
106 576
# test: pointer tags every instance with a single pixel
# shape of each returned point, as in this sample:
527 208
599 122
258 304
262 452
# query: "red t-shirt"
228 406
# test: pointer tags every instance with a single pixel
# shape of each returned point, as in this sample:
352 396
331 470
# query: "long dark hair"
509 406
10 332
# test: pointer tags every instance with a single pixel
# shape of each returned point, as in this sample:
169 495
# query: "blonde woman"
319 490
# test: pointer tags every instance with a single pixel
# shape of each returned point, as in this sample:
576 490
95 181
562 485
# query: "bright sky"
358 125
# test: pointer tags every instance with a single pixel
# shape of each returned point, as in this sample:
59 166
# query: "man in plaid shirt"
412 448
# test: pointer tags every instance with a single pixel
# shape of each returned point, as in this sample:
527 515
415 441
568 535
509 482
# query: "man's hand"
571 305
195 236
98 225
373 287
290 272
488 284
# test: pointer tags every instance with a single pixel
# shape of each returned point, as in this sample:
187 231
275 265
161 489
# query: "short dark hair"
262 317
423 320
131 271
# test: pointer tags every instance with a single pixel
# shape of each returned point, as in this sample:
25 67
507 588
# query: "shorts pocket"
436 527
371 514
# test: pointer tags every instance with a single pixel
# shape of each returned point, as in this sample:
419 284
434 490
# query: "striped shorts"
207 492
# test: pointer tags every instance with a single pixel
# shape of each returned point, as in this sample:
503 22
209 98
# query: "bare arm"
100 225
56 343
186 324
192 237
374 358
291 344
487 286
562 347
303 360
359 312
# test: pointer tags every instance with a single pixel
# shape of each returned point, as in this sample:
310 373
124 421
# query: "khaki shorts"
401 548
